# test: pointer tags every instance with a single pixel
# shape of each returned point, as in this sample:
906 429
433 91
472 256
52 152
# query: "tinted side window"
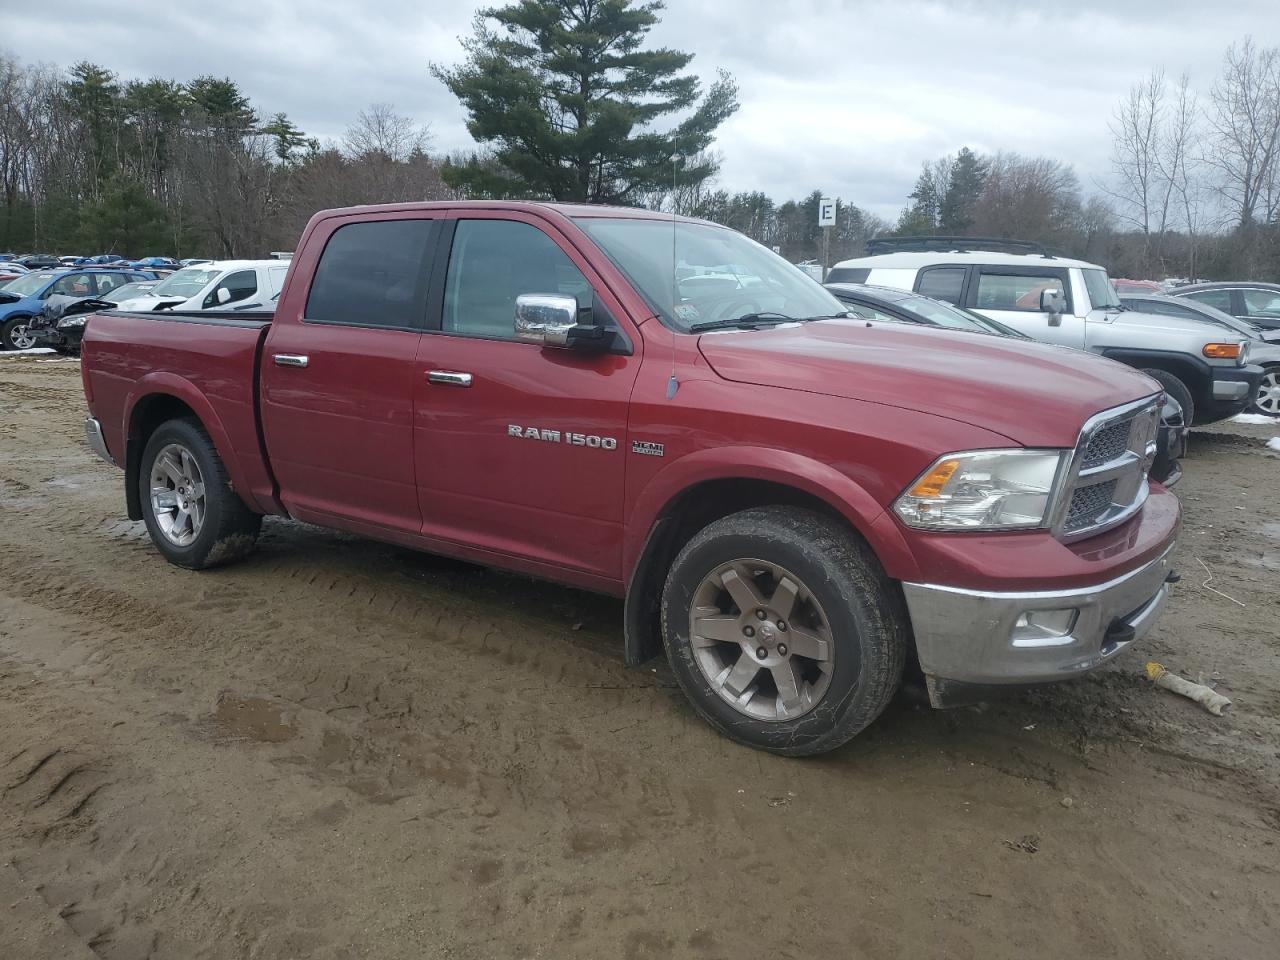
109 281
998 291
495 261
373 274
240 285
941 283
1214 298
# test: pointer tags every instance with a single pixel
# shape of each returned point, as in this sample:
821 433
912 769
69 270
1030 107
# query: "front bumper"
987 638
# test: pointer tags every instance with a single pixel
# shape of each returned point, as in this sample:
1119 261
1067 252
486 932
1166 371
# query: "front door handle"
452 378
290 360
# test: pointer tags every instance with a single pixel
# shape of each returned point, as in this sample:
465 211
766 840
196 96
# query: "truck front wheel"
782 630
194 517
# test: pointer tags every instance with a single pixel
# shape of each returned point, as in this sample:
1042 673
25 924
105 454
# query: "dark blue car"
23 298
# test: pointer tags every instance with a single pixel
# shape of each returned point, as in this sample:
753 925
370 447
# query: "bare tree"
1180 167
1141 193
380 131
1244 114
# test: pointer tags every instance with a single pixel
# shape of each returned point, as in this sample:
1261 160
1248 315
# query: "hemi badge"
648 448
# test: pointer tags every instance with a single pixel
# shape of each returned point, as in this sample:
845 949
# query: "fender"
804 473
170 384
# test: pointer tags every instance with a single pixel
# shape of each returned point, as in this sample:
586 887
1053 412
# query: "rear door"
1012 296
520 448
340 369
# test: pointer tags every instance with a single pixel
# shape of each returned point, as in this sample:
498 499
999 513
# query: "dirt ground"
342 749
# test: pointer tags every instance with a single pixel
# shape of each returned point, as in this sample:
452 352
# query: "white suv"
1068 302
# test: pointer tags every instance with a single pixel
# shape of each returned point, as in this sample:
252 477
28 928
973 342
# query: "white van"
220 285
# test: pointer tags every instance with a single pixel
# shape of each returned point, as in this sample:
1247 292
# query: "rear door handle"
290 360
452 378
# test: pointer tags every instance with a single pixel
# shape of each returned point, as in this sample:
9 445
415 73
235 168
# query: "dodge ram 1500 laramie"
793 501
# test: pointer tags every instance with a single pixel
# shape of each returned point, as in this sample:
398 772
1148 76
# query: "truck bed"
208 361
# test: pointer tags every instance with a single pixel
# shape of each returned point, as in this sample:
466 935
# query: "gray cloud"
846 96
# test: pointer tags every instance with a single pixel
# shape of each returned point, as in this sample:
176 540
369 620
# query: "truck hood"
1155 322
1035 394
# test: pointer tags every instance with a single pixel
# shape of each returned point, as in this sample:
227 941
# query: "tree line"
566 100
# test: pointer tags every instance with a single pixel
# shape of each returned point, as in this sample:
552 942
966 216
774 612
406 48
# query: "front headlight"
984 490
72 323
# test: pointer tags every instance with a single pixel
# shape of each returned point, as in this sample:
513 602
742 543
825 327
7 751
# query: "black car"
902 306
60 324
41 261
1255 303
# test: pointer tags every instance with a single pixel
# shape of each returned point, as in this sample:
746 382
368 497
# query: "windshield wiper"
748 321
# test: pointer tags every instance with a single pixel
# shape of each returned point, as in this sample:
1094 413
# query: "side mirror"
556 321
222 294
1052 301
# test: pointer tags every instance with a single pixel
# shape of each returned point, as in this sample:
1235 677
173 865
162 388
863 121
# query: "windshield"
127 292
28 285
693 273
1101 293
185 283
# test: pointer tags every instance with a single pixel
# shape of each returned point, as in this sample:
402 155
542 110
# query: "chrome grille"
1088 504
1108 442
1107 480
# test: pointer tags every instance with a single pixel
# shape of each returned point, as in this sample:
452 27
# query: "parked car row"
39 308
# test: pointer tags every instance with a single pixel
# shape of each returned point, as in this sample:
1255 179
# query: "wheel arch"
155 400
673 508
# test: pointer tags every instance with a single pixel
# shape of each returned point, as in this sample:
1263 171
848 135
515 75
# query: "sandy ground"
341 749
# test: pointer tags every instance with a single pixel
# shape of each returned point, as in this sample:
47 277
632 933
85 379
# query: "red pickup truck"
793 501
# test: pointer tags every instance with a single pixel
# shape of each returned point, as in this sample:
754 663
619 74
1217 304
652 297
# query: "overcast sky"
841 95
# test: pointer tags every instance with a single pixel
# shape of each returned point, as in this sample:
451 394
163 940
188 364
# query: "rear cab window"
373 274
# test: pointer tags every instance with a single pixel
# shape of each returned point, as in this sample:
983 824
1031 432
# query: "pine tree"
565 98
968 176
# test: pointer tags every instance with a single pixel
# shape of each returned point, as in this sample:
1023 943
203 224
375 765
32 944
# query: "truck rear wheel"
782 630
194 517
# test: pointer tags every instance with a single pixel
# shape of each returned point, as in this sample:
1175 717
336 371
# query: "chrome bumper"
975 637
1230 389
93 433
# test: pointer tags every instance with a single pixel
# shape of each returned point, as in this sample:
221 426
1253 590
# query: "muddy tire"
783 630
1175 388
194 517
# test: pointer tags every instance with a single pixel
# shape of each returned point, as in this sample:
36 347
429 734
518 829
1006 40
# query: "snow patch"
1273 443
1259 418
29 352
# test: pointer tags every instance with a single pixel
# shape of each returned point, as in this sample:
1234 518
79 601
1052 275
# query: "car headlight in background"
983 490
72 323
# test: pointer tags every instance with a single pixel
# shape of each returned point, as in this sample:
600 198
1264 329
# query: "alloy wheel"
761 640
21 337
177 495
1268 399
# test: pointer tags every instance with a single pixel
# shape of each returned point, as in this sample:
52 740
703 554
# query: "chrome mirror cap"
545 318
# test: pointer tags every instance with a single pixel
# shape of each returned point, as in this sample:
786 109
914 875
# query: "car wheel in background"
194 517
1178 390
16 335
782 630
1268 399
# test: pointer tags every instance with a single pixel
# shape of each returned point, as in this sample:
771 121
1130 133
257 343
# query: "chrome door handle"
451 378
290 360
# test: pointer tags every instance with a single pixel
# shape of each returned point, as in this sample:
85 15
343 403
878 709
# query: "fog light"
1044 628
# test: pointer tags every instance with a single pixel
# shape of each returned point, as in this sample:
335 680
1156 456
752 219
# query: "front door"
339 371
521 449
1012 296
